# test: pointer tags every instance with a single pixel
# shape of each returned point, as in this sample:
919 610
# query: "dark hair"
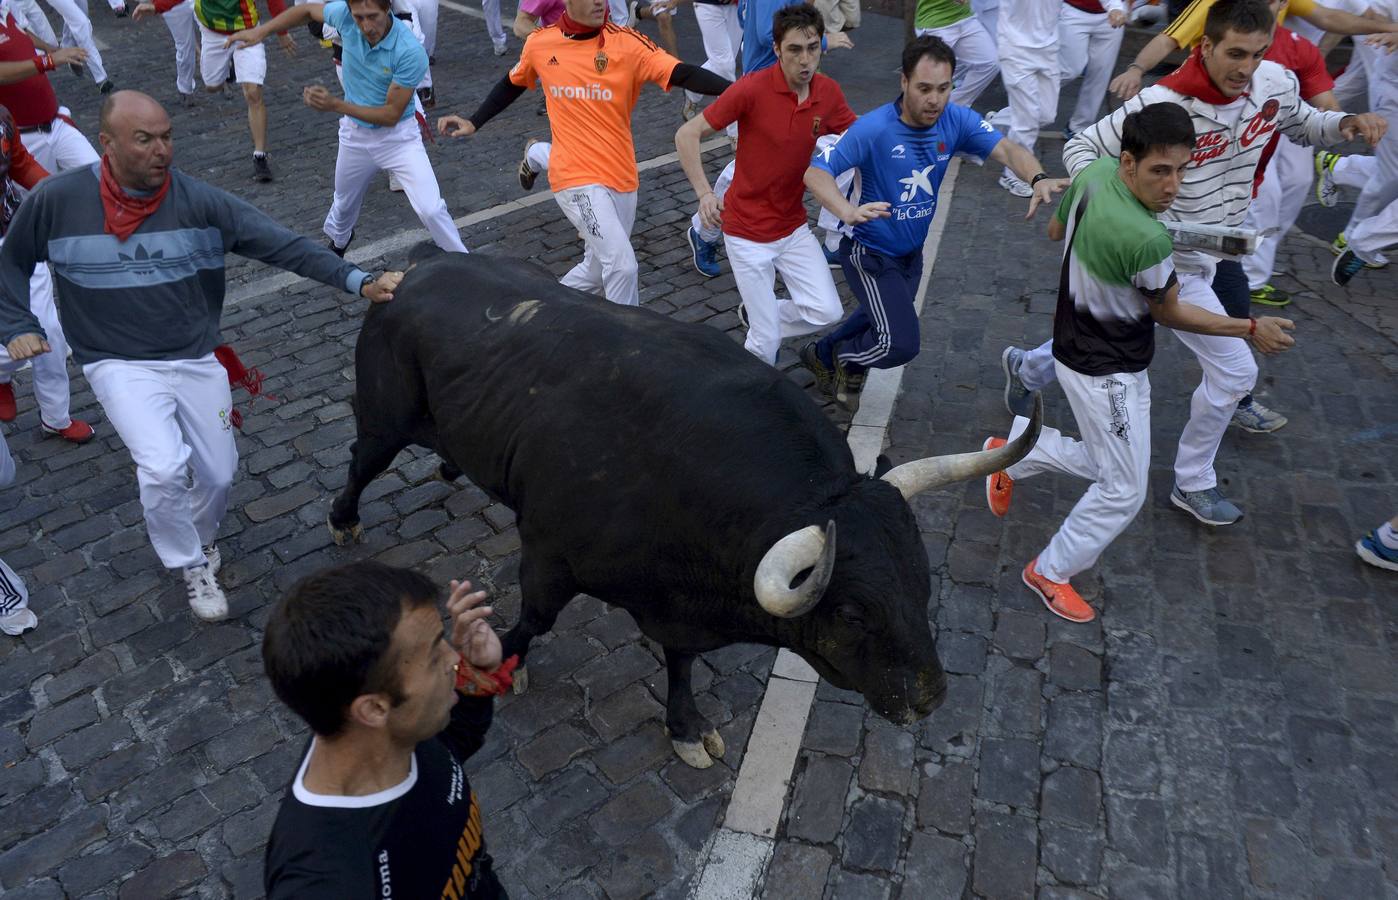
328 639
927 45
1156 127
1242 16
796 16
384 5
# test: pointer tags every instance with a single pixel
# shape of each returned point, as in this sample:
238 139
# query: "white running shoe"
501 48
205 596
18 622
1017 186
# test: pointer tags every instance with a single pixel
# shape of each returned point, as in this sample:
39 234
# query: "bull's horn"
809 548
923 474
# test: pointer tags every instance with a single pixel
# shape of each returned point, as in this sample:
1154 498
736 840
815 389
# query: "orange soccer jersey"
590 87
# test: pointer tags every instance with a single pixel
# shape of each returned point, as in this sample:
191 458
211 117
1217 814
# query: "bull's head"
872 634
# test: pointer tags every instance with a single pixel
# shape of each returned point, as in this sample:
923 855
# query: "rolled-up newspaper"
1218 240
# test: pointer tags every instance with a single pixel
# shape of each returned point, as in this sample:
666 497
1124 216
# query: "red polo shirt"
776 137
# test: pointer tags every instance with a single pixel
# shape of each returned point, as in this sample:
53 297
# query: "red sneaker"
8 410
998 485
79 432
1058 596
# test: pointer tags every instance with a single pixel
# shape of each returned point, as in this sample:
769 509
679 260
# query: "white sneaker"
501 48
18 622
214 557
205 596
393 184
1017 186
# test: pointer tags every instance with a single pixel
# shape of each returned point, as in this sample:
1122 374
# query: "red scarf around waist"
124 213
1192 80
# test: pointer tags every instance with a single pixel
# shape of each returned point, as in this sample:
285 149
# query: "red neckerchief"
1192 80
124 213
573 28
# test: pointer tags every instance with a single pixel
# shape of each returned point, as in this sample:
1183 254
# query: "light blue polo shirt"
369 71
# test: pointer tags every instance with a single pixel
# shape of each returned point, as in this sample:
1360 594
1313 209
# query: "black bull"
659 467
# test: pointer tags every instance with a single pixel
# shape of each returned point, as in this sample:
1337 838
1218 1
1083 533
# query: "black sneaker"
526 174
1347 265
106 87
261 169
77 69
340 251
849 384
824 377
428 97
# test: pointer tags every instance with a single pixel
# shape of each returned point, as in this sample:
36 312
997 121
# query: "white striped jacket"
1217 184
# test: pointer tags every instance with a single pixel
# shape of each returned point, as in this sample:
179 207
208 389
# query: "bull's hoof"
521 680
693 752
445 473
342 536
713 742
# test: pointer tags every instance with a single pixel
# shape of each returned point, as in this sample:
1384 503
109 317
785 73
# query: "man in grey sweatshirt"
137 248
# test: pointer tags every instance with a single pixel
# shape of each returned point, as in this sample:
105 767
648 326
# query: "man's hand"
1044 191
867 212
1127 84
455 126
288 43
1388 41
26 346
711 210
839 41
1369 126
380 290
1271 335
67 55
248 37
471 635
143 11
318 97
1116 18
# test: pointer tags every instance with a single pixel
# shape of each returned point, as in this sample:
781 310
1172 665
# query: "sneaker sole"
1373 558
1184 505
988 480
1049 605
1275 303
1250 430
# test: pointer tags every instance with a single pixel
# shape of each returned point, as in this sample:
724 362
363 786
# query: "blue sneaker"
1019 400
1373 552
1208 506
1256 418
832 257
703 252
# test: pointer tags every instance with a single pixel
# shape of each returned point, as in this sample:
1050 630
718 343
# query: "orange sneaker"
1058 596
8 410
998 485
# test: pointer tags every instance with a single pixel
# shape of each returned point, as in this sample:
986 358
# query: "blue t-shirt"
369 71
904 166
757 16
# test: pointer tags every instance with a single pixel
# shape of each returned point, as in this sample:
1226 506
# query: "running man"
1118 280
382 64
780 111
145 334
1237 100
901 151
218 58
591 73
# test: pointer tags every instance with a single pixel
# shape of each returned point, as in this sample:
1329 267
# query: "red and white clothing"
47 131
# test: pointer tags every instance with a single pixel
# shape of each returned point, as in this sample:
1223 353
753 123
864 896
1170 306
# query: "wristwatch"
1037 178
369 278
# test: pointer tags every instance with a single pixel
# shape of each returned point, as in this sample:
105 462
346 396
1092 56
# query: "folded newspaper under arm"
1218 240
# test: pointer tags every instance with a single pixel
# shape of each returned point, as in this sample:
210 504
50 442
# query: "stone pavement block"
103 868
833 728
1277 860
175 778
1019 635
59 720
242 743
606 675
1132 762
1004 860
1262 781
1136 829
944 799
1009 772
122 689
1245 652
873 839
498 785
860 886
639 869
1072 855
87 674
1015 696
1191 682
553 750
1208 866
542 707
573 793
1338 819
1320 744
246 832
961 652
1074 796
48 850
623 711
935 868
887 765
614 629
796 870
631 811
952 728
34 810
1353 880
1075 668
198 726
817 805
86 744
165 875
643 750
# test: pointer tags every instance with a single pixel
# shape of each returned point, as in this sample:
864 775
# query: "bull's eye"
850 614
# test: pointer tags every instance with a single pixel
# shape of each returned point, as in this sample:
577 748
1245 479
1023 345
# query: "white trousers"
77 32
723 36
1229 375
50 369
415 10
1369 238
1113 416
184 31
1355 171
988 14
493 26
1031 83
838 14
30 17
60 148
977 63
1285 186
364 152
1087 47
425 18
1353 83
725 178
1381 189
604 219
797 258
173 417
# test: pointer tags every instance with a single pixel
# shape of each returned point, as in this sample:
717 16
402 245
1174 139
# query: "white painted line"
760 793
734 864
405 239
866 443
473 13
793 667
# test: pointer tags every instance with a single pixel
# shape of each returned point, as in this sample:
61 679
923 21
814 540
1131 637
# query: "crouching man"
380 804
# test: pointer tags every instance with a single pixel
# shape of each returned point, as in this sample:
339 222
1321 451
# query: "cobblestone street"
1223 730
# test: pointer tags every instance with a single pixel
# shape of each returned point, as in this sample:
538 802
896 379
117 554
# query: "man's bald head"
136 138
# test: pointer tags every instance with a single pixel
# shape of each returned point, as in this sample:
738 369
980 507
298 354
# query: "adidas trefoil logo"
141 262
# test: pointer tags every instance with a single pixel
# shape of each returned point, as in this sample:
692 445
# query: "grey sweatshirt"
157 295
